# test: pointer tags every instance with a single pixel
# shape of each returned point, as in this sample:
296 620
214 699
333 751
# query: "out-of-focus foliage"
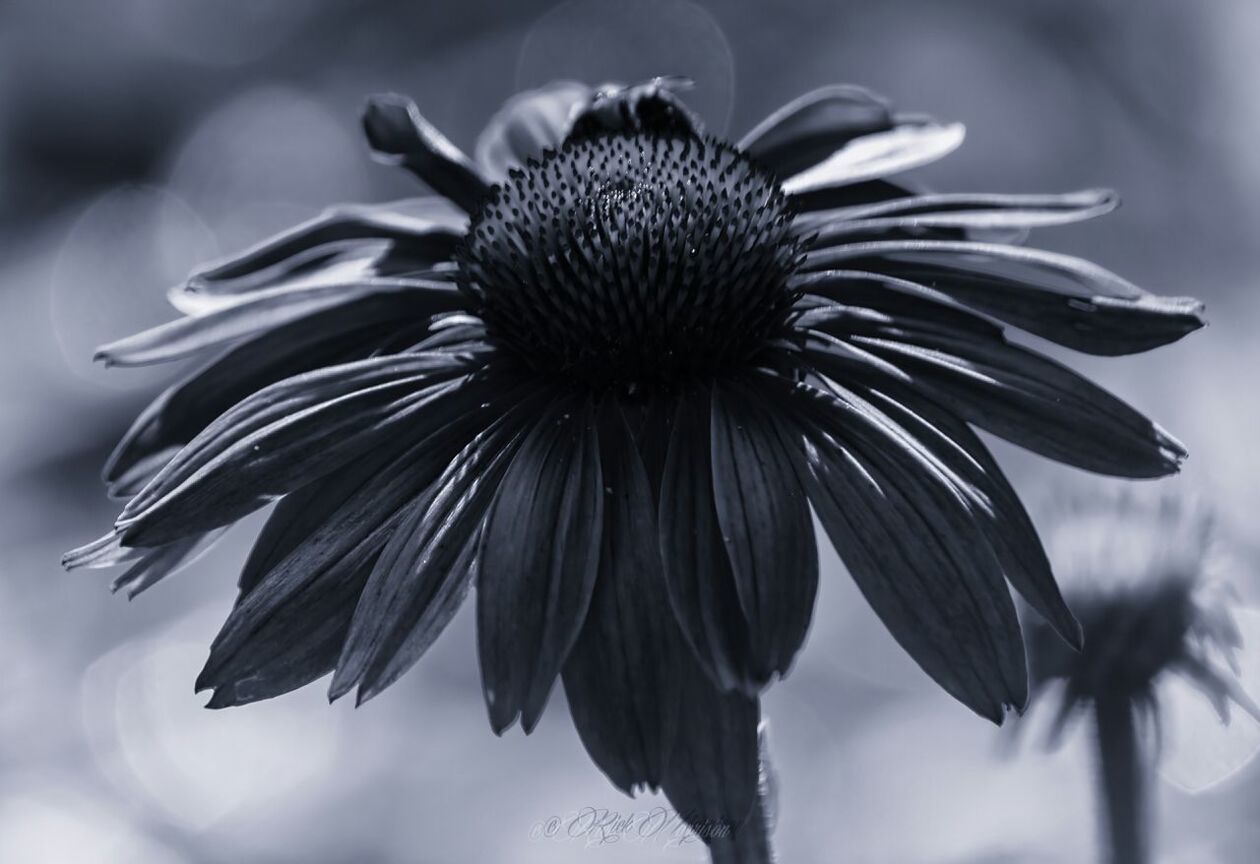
138 137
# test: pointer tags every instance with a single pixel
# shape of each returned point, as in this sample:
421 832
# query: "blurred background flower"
1143 569
113 149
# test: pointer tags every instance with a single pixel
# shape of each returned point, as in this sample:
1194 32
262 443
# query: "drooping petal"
342 334
959 210
426 228
299 515
265 310
871 157
297 645
1061 298
156 564
995 505
538 559
1032 401
765 524
231 471
528 124
106 551
290 622
698 576
425 570
621 677
712 775
399 135
895 516
811 127
893 297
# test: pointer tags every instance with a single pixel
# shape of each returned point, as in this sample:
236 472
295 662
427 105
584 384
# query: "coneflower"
1134 567
603 375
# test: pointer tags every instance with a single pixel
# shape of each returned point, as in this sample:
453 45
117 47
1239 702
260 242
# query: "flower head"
1137 569
602 375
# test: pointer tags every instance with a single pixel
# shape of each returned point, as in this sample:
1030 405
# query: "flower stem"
1123 775
749 844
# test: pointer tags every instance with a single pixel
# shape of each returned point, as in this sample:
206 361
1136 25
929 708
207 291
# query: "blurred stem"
749 844
1123 774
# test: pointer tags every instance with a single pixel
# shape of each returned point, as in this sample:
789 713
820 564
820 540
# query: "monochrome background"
140 137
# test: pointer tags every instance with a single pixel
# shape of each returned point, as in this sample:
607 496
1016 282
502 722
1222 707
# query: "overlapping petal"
1059 297
539 556
622 679
527 125
812 127
896 516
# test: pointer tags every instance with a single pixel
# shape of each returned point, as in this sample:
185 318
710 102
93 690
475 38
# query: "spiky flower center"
633 259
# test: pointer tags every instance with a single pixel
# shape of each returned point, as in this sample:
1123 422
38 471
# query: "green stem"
1124 781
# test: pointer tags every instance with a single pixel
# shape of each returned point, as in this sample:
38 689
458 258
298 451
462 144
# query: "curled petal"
427 229
871 157
811 127
399 135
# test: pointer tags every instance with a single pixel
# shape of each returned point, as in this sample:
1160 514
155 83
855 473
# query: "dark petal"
997 508
841 360
302 513
907 145
891 296
712 775
849 195
897 520
765 523
812 127
400 135
528 124
1032 401
156 564
1064 299
698 576
297 645
426 229
425 570
290 396
962 211
621 677
232 471
539 554
321 575
345 333
262 311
